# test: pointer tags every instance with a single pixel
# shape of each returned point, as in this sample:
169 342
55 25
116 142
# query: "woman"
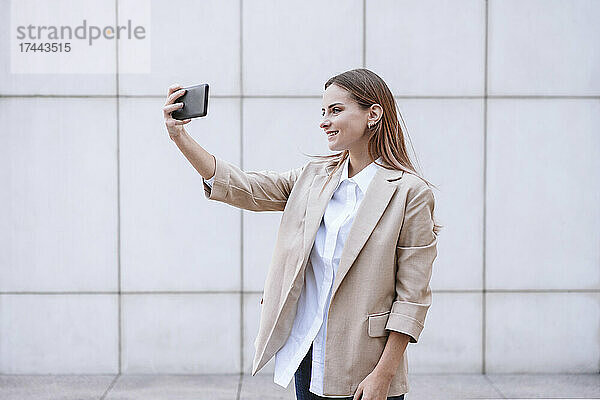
348 285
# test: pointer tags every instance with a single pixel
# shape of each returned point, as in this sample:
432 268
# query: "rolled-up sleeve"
209 182
415 253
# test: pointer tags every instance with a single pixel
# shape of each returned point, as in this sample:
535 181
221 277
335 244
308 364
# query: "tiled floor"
261 386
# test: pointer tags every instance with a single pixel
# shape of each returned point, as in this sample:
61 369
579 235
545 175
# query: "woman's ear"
375 113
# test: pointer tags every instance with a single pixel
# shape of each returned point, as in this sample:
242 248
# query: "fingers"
173 88
175 122
171 98
168 109
172 107
358 393
175 91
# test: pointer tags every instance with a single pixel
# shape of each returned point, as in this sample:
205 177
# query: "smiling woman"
363 109
348 285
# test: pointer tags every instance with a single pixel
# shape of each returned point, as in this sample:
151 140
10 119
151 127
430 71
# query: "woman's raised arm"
202 160
252 190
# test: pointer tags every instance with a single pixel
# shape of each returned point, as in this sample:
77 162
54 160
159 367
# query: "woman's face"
344 115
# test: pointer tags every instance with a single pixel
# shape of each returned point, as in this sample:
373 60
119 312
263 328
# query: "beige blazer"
382 282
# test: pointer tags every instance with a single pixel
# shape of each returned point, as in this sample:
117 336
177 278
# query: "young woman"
348 285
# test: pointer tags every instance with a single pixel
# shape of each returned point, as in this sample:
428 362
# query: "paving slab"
63 387
548 386
227 387
450 386
262 387
175 387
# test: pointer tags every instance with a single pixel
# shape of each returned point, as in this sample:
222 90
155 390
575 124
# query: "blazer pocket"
377 324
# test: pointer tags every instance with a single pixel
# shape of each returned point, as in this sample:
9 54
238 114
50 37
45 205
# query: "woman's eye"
334 110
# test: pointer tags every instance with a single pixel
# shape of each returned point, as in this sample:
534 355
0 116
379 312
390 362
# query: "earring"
370 124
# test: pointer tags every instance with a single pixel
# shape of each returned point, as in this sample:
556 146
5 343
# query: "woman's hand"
375 386
174 126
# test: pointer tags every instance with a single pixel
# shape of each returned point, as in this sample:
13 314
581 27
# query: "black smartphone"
195 102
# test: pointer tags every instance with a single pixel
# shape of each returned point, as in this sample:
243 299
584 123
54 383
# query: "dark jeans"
302 382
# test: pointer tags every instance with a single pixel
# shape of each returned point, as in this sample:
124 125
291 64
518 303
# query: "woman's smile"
331 134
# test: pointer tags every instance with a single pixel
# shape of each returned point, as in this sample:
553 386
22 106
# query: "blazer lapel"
317 203
376 200
371 209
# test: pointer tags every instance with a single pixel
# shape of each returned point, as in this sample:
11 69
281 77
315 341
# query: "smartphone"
195 102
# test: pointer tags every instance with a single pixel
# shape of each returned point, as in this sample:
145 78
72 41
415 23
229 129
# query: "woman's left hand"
375 386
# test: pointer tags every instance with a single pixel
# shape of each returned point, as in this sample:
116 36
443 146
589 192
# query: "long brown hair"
386 137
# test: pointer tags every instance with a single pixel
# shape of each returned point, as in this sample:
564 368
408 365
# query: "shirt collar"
364 177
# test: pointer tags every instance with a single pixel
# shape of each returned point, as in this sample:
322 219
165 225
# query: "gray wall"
112 260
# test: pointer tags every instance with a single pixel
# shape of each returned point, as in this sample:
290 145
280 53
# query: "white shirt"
310 323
